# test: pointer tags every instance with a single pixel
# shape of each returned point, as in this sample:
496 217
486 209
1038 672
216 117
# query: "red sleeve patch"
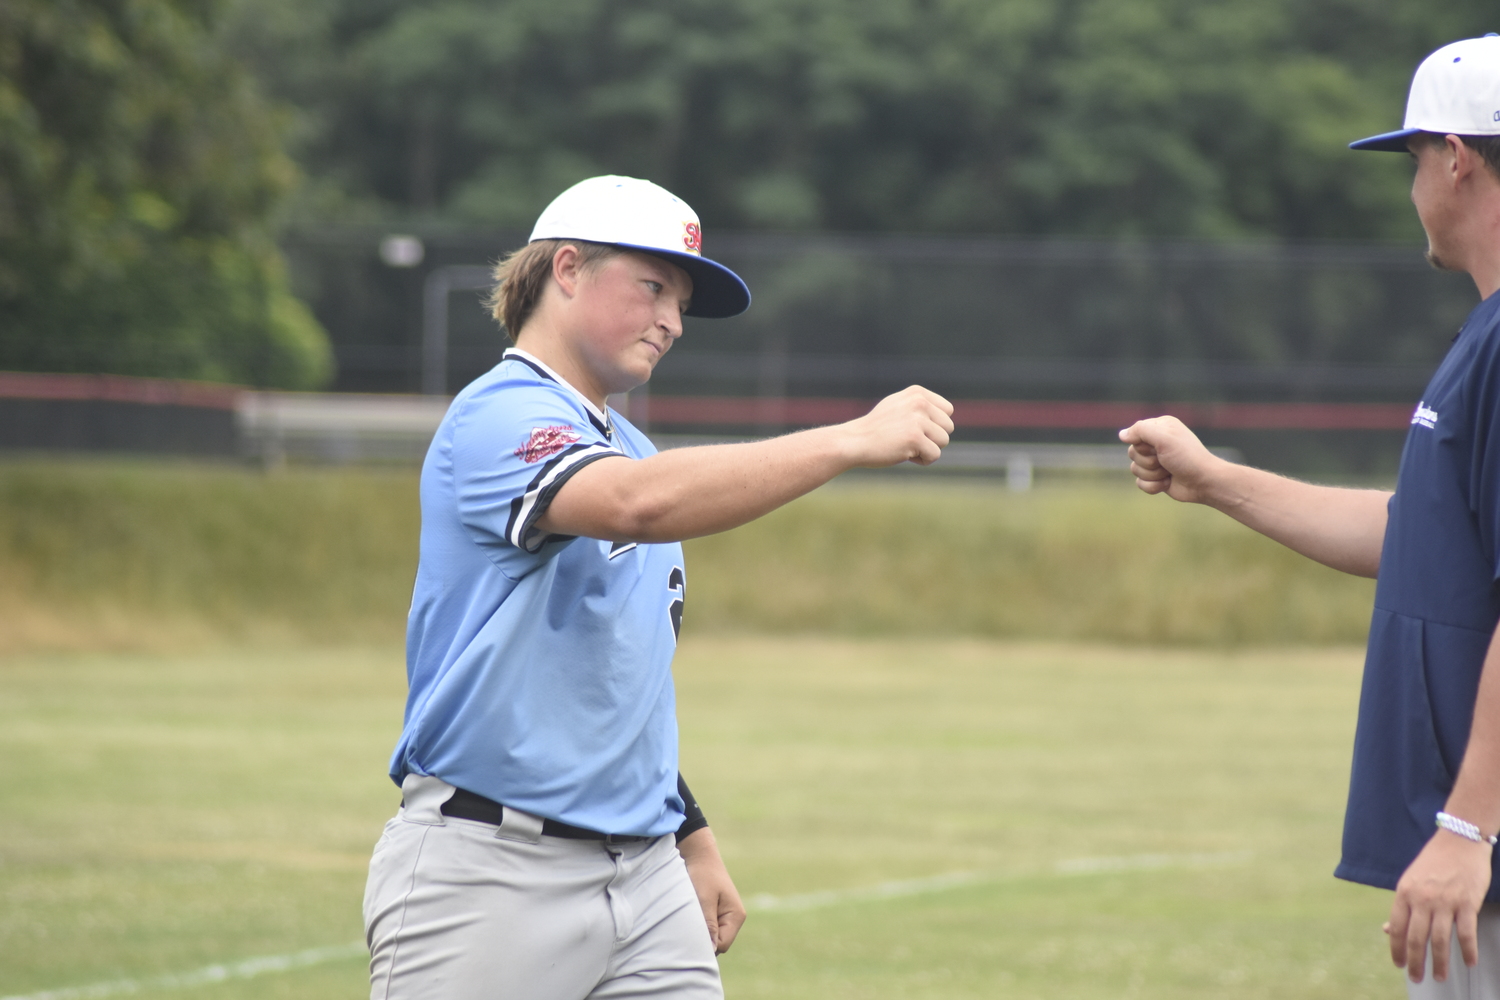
546 442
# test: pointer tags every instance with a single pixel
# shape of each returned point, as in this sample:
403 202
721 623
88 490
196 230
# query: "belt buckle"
616 839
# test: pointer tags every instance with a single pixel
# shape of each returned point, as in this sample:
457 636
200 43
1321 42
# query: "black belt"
467 805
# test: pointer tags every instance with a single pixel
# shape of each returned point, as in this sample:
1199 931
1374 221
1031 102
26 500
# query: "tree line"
140 167
150 149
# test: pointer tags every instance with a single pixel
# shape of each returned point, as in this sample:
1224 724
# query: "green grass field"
1125 823
152 555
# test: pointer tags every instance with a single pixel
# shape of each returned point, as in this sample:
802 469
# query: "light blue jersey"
539 665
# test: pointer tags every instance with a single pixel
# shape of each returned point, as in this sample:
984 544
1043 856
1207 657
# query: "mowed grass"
153 555
162 812
1094 559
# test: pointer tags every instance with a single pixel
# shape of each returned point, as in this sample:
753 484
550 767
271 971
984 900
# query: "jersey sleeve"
513 448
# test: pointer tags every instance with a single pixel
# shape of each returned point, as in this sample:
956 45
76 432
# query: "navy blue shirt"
1436 605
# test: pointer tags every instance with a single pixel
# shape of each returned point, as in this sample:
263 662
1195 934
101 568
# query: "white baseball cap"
630 212
1456 91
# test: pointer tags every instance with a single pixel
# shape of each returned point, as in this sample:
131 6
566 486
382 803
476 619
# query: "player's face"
631 311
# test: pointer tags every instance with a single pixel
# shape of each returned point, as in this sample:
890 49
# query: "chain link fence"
854 317
857 316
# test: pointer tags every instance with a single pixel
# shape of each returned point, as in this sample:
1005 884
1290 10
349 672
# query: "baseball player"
533 855
1424 793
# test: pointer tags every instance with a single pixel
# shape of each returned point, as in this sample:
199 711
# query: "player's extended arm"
1444 887
688 492
1342 528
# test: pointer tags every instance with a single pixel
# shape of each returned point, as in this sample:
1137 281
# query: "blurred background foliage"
152 151
139 167
1180 118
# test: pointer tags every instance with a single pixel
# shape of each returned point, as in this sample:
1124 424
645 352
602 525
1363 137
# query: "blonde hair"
521 278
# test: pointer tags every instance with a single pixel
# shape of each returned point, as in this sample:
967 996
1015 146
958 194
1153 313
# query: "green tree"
139 168
1208 118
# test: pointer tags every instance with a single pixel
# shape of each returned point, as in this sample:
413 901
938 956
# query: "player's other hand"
913 425
723 911
1166 457
1438 896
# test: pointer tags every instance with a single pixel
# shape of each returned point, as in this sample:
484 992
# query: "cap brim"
717 291
1387 142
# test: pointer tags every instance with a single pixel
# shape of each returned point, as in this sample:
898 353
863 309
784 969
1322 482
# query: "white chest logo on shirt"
1424 417
546 442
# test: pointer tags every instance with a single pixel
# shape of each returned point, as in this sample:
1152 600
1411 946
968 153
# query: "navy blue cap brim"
717 291
1387 142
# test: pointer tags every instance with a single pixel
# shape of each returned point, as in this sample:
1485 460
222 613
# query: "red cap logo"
692 237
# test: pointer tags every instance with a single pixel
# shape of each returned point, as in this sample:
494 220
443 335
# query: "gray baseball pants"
461 910
1479 983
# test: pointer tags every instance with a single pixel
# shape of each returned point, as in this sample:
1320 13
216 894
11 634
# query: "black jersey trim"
513 356
620 548
602 426
528 508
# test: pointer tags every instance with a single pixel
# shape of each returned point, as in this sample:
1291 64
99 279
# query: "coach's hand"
912 425
1440 893
1166 457
722 909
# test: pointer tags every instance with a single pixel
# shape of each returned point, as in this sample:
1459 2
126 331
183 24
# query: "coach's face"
630 308
1432 192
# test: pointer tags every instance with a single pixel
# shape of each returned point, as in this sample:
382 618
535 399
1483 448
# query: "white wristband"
1463 828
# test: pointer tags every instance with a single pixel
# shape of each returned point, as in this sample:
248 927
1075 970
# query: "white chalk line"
764 902
246 969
